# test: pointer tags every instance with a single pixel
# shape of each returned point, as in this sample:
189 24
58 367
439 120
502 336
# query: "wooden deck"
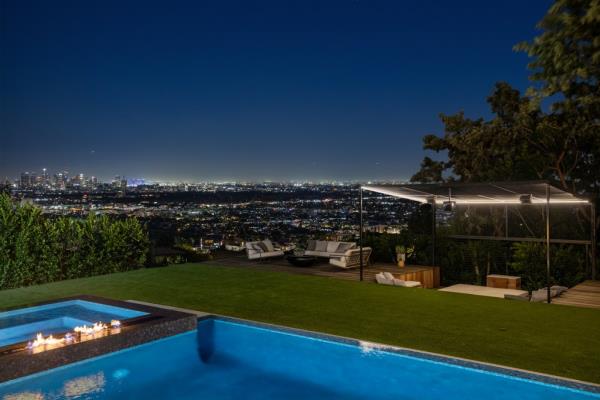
322 268
586 294
482 290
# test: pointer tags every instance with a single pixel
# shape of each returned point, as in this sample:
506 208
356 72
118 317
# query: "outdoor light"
525 199
448 205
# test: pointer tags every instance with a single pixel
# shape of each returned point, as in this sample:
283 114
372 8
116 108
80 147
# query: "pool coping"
539 377
156 324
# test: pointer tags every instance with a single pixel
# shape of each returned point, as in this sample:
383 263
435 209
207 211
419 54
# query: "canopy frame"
536 193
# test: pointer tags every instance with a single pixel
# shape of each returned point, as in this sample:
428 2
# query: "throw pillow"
342 247
332 247
262 246
255 247
269 245
311 245
321 246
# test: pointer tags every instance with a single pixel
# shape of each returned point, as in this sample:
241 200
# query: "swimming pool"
23 324
226 359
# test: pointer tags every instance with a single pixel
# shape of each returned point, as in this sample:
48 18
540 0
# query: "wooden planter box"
428 276
504 281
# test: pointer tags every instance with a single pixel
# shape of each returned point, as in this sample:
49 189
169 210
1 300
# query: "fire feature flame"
84 333
40 340
90 330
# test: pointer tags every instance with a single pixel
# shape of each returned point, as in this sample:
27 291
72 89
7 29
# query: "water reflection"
24 396
84 385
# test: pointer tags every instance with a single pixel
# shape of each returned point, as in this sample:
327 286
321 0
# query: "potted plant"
402 253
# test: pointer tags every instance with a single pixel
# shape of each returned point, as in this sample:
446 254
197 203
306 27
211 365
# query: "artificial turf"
552 339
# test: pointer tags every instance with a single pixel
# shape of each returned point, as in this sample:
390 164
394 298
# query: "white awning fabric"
530 192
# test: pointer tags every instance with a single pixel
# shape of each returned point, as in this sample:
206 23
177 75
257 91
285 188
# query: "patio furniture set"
345 255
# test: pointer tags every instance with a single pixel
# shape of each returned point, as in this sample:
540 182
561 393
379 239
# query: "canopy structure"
536 193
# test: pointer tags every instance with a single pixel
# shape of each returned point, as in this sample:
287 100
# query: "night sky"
246 90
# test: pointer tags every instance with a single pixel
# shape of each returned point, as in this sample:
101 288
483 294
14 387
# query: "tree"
566 56
566 68
559 143
522 141
480 150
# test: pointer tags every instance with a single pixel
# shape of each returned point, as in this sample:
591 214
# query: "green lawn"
552 339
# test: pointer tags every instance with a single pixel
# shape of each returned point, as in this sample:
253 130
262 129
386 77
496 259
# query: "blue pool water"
227 359
23 324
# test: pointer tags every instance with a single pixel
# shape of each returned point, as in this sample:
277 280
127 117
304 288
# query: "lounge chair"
351 258
386 278
262 249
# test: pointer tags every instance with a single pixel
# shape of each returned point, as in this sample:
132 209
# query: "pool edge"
520 373
454 360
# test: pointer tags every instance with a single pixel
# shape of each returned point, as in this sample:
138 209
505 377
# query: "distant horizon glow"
247 91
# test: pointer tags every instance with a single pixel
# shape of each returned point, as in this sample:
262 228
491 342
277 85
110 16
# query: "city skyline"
341 90
44 177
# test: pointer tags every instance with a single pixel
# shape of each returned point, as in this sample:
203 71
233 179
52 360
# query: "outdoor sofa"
351 258
327 249
262 249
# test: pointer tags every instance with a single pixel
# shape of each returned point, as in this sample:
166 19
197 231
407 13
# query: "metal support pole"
433 232
507 253
593 238
548 242
361 234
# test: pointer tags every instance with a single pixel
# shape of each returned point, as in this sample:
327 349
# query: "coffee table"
301 261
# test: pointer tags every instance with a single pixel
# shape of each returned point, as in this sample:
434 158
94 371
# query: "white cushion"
257 248
381 279
400 282
321 246
388 275
269 245
316 253
332 247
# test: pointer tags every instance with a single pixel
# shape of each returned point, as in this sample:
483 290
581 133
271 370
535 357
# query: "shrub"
567 266
35 249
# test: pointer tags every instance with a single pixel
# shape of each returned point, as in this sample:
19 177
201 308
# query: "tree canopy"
522 140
